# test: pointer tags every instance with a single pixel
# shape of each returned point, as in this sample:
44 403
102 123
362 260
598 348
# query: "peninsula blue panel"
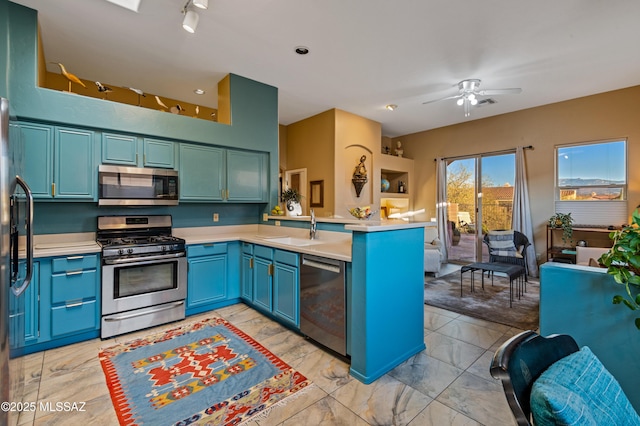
387 294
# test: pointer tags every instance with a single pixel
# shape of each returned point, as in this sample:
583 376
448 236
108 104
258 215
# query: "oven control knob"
129 250
120 251
163 248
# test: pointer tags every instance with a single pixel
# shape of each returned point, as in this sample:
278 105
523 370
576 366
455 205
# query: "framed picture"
317 193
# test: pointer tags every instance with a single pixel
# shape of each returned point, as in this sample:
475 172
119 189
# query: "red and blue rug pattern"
208 372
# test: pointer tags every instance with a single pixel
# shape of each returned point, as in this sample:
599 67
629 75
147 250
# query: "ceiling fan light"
202 4
471 96
460 101
190 21
473 101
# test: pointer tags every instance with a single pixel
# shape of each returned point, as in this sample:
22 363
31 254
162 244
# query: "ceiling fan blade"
442 99
492 92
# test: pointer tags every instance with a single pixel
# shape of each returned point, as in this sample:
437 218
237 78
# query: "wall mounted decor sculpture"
360 176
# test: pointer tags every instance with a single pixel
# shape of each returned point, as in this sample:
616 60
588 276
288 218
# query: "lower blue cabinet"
207 277
271 282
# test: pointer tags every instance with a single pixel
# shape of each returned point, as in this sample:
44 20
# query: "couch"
577 300
433 256
589 256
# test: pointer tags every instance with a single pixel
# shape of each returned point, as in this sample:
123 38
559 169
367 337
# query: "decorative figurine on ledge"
399 150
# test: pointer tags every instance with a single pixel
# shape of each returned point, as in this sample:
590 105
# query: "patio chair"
552 381
515 255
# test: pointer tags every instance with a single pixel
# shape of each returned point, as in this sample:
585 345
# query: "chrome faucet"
312 228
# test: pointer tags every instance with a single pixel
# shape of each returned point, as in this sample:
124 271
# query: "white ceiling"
364 54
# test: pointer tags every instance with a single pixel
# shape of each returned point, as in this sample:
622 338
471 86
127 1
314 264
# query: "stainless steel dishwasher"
323 302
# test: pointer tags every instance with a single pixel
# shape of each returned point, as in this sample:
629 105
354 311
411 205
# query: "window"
593 172
591 182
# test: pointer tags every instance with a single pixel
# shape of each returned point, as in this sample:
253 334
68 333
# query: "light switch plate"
216 217
277 223
265 217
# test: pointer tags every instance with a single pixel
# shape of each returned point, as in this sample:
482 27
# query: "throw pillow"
578 390
501 243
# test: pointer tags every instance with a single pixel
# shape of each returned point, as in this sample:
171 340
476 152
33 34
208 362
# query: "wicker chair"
519 240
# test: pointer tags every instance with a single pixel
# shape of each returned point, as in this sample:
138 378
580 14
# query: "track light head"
190 21
201 4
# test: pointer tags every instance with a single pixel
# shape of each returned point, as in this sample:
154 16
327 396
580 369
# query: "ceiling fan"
469 90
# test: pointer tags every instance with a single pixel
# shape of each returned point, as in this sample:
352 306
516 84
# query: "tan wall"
310 145
355 136
282 147
605 116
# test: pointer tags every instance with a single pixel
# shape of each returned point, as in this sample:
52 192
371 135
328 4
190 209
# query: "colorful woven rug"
208 372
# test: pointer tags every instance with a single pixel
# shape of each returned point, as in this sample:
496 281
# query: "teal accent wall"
254 112
61 217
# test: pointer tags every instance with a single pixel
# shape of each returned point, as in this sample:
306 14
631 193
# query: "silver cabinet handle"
75 257
72 305
74 272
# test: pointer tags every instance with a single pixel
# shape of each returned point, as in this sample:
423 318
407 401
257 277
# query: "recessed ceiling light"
199 92
302 50
391 107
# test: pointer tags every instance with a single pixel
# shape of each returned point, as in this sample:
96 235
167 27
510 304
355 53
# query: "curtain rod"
503 151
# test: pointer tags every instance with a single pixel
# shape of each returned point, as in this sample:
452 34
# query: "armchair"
512 251
433 256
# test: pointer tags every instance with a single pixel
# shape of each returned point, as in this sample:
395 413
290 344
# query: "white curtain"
521 220
441 207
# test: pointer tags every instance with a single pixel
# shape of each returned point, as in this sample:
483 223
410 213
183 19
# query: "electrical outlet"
265 217
216 217
277 223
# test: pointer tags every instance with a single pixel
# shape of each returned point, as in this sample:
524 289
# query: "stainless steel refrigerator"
16 216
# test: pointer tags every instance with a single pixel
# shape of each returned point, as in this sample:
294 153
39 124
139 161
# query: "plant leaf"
617 299
638 323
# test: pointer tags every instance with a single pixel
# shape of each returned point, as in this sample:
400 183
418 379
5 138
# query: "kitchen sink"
292 241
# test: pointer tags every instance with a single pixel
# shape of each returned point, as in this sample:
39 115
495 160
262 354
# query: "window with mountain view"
592 171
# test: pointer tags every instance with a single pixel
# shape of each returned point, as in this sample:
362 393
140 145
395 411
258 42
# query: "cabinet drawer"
263 252
73 318
74 263
206 249
247 248
287 257
75 286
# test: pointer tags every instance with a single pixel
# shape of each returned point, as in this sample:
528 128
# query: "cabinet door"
285 293
74 171
37 165
262 293
119 149
31 307
201 173
247 177
207 280
246 286
158 153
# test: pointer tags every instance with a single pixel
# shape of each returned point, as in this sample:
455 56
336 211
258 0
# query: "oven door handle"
143 260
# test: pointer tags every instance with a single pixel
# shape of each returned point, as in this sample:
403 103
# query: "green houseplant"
623 262
291 194
563 221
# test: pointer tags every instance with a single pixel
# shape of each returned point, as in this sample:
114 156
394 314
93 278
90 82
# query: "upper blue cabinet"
136 152
216 174
59 162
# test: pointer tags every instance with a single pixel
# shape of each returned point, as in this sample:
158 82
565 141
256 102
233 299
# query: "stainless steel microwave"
137 186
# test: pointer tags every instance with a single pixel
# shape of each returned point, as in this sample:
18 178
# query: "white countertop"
333 245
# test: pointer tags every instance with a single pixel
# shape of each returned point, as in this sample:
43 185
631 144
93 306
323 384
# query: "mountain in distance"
589 182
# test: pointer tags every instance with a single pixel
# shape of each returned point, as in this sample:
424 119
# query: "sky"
595 161
500 169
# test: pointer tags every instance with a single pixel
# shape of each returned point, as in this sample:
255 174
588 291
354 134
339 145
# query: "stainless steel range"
144 273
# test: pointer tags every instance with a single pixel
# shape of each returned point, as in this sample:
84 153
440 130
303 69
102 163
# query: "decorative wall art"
317 193
360 176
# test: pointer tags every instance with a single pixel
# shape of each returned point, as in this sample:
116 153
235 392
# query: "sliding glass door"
480 198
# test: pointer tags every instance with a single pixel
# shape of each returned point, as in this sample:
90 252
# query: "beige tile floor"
447 384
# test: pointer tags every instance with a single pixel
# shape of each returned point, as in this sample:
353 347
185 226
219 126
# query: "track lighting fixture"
191 17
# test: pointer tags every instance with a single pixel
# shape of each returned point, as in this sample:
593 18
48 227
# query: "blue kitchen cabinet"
246 273
58 162
286 287
129 150
62 304
74 298
119 149
31 297
207 277
274 278
247 176
158 153
37 163
202 172
74 171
